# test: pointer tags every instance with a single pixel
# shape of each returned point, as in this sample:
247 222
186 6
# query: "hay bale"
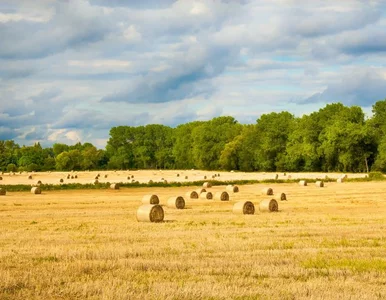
76 176
30 177
232 188
192 195
150 213
68 176
176 202
268 205
150 199
186 177
61 180
207 185
319 183
267 191
3 192
199 191
178 175
36 190
344 176
1 178
132 180
114 186
39 182
96 181
72 177
105 175
132 176
206 195
96 177
303 183
276 176
340 180
244 208
281 197
223 196
218 175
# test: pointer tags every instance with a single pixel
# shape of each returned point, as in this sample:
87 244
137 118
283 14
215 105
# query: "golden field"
324 243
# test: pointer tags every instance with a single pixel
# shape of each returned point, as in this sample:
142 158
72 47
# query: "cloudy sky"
72 69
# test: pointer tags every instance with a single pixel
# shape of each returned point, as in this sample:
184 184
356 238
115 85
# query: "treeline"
335 138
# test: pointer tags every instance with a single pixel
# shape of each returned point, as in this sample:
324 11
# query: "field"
324 243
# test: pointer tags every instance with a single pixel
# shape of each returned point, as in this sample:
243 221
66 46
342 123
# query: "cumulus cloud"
71 70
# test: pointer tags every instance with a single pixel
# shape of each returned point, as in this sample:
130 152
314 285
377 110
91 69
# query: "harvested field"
87 244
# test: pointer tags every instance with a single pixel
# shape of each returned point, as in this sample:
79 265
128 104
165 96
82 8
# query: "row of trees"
335 138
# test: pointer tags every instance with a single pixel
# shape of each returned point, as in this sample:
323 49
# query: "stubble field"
324 243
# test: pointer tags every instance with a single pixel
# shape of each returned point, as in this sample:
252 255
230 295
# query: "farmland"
324 243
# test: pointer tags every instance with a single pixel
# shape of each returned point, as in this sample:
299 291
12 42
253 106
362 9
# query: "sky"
70 70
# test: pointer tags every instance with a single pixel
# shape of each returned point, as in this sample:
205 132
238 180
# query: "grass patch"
355 265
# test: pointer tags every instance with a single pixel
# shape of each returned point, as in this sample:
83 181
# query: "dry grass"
322 244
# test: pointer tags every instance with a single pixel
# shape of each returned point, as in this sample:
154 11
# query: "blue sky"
70 70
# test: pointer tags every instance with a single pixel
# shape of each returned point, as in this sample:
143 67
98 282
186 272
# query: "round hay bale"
76 176
36 190
186 177
205 177
61 180
223 196
176 202
206 195
207 185
132 176
344 176
72 177
132 180
218 175
128 177
276 176
150 213
199 191
178 175
319 183
39 182
281 197
268 205
303 183
114 186
3 192
267 191
30 177
1 178
68 176
96 177
232 188
244 208
192 195
150 199
105 175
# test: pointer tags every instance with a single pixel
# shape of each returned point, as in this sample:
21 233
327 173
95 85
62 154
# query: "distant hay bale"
1 178
213 176
3 192
76 176
281 197
192 195
114 186
61 180
218 175
268 205
201 190
276 176
340 180
72 177
39 182
303 183
344 176
223 196
319 183
68 176
325 177
232 188
150 199
96 181
205 177
176 202
128 177
206 195
105 175
244 208
132 176
36 190
132 180
150 213
267 191
96 177
207 185
178 175
186 177
30 177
